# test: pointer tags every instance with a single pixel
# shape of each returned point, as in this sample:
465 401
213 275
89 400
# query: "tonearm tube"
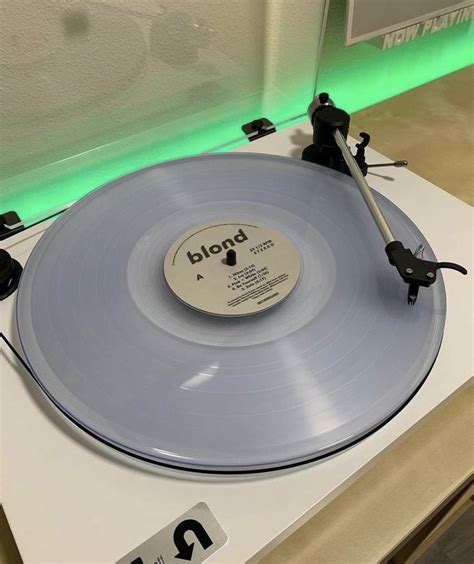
330 149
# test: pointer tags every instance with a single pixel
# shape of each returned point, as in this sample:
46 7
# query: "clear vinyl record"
129 362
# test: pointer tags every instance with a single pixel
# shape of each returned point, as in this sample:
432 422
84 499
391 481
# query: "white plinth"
68 499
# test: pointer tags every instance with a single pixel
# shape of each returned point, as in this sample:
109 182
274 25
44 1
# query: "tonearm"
329 148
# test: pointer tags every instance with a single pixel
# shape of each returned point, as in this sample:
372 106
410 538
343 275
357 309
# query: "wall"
93 89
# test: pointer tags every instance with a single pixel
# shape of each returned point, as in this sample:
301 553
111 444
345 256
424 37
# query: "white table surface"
69 499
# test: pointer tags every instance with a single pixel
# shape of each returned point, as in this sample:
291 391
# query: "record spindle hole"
231 258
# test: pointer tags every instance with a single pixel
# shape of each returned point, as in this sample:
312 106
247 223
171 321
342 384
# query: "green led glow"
356 77
362 75
60 183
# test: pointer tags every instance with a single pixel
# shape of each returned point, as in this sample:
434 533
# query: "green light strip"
363 75
356 77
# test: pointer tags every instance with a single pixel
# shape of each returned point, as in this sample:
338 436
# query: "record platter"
248 317
184 388
233 315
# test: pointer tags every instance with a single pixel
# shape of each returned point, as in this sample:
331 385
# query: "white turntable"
101 503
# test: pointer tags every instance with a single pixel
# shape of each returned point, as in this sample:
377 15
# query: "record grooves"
280 363
201 471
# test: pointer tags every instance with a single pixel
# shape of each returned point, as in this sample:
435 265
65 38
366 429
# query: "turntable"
244 331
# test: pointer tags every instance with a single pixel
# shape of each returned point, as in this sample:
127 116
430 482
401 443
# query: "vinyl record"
123 357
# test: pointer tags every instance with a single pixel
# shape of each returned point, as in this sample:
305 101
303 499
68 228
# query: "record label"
232 268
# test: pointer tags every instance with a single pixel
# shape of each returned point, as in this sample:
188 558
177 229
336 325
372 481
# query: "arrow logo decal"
185 550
